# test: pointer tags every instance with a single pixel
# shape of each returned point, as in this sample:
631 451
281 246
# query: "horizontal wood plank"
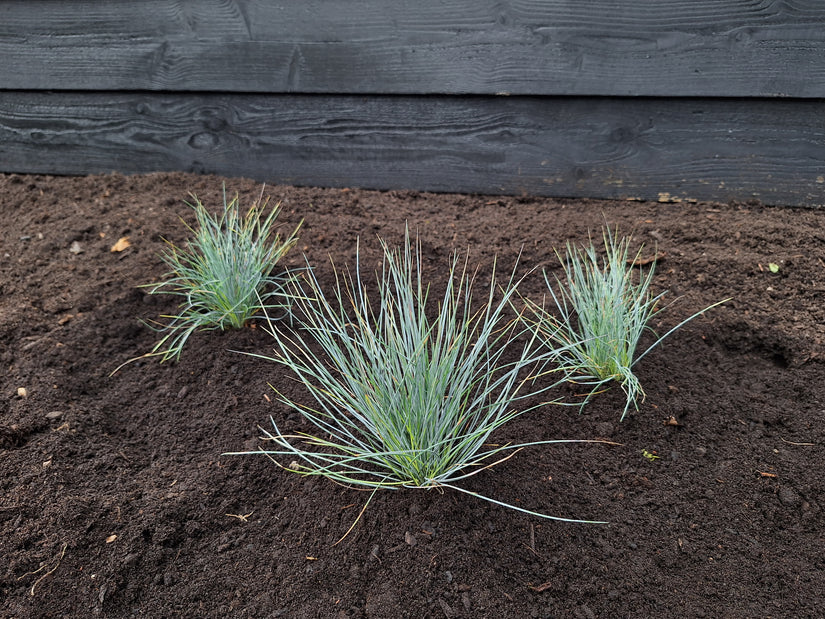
730 48
668 149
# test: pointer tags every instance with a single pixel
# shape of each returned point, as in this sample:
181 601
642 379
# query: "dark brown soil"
115 499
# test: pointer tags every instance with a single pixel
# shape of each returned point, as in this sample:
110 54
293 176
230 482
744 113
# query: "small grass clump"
225 274
406 392
602 311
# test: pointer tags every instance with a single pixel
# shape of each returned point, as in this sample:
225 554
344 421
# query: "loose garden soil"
116 499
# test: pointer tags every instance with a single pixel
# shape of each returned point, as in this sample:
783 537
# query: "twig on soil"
51 571
241 517
374 554
527 546
532 545
798 444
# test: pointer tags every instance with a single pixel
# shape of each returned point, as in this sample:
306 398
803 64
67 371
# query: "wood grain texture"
730 48
669 149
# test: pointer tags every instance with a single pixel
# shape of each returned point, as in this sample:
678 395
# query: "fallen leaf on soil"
111 538
640 262
122 243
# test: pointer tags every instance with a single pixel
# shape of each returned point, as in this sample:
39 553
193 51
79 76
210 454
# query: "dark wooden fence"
649 99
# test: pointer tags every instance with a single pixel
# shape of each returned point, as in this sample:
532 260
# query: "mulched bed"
116 500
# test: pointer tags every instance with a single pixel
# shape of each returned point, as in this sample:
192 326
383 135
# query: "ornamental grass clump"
225 274
406 392
602 310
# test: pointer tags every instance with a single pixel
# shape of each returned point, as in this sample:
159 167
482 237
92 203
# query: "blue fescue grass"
601 311
406 392
225 275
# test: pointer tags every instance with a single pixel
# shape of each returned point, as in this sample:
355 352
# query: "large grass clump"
225 274
601 311
406 391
